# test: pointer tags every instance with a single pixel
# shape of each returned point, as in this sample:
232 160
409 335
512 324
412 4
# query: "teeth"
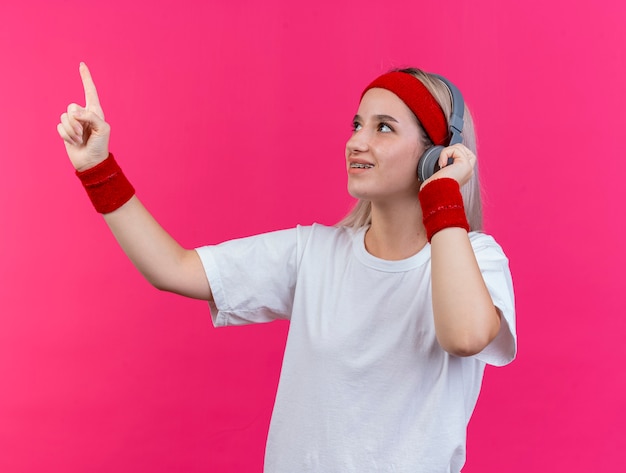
361 166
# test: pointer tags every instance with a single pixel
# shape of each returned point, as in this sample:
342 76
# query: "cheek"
405 168
408 157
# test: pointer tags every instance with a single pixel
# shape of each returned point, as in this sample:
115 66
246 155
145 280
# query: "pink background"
230 118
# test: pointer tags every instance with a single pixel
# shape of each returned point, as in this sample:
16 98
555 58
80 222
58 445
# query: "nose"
357 143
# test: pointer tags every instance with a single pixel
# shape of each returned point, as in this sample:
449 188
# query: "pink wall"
230 118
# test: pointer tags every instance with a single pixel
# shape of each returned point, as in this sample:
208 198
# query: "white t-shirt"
364 386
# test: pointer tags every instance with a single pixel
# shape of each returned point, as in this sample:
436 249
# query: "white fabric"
364 386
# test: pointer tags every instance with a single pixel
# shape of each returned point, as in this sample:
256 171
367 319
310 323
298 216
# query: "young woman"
393 313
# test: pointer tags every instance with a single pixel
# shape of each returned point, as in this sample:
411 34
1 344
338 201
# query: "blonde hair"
361 213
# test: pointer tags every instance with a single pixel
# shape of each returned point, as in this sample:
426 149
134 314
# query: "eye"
356 126
384 128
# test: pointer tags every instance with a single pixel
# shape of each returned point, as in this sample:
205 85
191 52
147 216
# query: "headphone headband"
458 110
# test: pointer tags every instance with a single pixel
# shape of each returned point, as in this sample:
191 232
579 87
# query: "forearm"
162 261
466 320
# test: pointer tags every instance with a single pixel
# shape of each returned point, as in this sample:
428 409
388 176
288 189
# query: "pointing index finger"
92 102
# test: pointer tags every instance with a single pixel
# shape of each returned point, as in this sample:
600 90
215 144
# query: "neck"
396 232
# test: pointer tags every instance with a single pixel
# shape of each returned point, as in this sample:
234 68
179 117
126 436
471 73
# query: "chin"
357 193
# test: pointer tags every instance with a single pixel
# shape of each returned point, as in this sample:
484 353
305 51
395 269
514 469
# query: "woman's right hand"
83 129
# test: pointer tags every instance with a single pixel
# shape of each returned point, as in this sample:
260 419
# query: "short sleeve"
494 266
252 279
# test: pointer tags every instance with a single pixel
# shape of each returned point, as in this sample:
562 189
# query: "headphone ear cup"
427 165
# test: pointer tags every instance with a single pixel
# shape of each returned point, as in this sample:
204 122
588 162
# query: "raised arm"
466 320
163 262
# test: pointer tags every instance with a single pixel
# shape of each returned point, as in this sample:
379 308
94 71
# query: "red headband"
421 102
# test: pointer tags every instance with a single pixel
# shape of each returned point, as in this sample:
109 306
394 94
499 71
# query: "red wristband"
442 206
106 185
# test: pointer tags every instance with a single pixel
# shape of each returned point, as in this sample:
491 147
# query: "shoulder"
484 243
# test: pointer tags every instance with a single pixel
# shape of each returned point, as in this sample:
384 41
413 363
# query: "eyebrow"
381 118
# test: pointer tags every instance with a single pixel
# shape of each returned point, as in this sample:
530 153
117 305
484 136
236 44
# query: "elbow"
464 350
469 343
160 286
158 282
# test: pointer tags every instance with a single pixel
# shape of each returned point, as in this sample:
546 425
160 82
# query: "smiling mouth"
361 166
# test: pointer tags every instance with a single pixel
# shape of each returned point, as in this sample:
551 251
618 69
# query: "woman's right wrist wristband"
106 185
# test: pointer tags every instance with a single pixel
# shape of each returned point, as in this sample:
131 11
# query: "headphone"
427 164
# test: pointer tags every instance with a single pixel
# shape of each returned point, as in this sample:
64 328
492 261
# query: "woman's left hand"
461 170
